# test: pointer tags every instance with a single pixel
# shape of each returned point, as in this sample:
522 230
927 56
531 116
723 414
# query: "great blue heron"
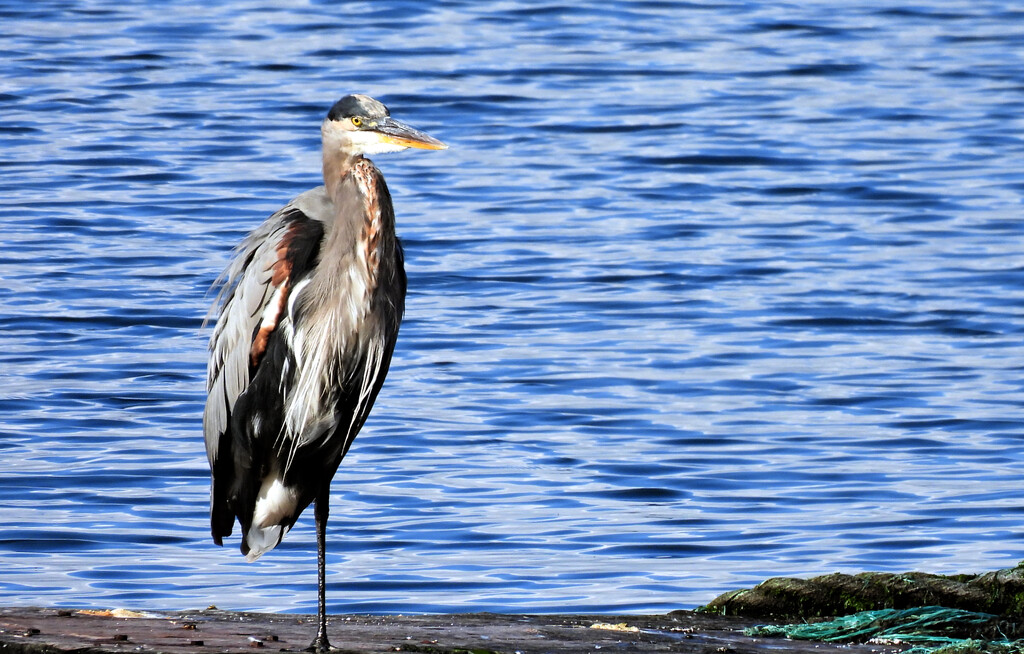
309 315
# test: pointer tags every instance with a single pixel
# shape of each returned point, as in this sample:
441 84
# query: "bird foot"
320 645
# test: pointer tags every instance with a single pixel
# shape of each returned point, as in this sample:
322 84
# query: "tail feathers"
277 507
260 540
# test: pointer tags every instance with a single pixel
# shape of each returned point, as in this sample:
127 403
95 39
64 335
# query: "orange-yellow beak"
398 133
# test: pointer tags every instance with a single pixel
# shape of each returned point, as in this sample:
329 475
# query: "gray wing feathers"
245 291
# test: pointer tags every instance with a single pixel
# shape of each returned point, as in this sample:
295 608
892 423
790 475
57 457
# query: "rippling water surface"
701 294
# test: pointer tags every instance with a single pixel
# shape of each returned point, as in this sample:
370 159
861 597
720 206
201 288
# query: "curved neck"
336 166
339 155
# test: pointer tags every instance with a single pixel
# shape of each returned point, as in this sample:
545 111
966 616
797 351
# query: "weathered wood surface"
51 631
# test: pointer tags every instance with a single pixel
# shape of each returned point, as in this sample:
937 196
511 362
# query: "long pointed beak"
398 133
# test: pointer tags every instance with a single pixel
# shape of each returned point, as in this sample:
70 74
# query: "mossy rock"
1000 593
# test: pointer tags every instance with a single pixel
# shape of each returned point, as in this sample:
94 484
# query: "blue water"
701 294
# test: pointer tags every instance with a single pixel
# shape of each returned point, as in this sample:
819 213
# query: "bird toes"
320 645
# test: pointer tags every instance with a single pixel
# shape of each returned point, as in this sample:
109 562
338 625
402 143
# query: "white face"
343 135
375 143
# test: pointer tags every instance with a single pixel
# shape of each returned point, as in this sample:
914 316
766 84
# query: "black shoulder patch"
298 248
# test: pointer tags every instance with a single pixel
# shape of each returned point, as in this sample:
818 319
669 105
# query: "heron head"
358 124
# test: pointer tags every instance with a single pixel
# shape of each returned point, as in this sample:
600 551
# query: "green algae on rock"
931 626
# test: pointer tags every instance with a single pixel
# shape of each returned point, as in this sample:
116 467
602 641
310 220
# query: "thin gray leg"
320 644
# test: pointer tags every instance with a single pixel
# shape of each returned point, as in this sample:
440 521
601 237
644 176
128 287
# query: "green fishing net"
931 629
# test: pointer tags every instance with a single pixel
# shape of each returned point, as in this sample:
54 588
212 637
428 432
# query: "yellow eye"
357 121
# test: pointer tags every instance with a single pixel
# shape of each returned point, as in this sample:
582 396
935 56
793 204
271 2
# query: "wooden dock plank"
53 631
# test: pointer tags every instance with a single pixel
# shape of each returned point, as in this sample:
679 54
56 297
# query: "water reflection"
700 295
